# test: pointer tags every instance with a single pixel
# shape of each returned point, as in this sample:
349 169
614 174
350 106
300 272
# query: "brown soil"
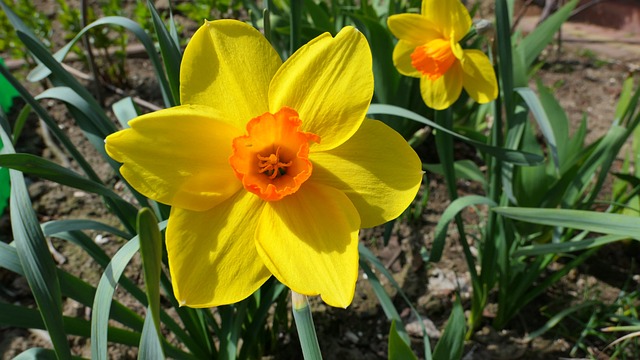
587 78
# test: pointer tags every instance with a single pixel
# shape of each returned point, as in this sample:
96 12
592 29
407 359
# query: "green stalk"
304 324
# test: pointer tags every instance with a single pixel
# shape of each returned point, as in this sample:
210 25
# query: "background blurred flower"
429 49
270 167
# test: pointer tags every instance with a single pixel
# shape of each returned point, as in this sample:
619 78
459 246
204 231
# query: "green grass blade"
451 343
52 66
449 215
51 228
124 110
170 52
543 122
321 20
558 317
512 156
385 301
104 295
464 169
51 124
151 253
39 354
367 255
150 345
20 121
565 247
35 258
385 75
45 169
18 316
542 35
606 146
398 347
612 224
73 288
95 124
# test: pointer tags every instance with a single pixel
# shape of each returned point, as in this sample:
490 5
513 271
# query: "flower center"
272 160
433 59
272 166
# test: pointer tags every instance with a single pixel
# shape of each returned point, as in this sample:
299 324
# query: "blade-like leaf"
45 169
170 52
612 224
449 215
104 295
543 122
124 110
542 35
35 258
451 343
512 156
398 348
151 252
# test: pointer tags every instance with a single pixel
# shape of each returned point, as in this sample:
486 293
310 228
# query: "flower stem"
304 324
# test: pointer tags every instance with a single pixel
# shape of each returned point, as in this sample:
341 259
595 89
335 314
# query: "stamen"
272 166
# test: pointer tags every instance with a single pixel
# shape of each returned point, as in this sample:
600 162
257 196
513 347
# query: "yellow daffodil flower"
270 168
429 49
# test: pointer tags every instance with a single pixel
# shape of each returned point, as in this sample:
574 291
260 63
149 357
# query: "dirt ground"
586 76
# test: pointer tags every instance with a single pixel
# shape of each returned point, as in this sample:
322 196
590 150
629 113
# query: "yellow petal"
228 65
402 59
450 17
178 156
212 254
413 28
309 241
329 82
376 169
441 93
479 77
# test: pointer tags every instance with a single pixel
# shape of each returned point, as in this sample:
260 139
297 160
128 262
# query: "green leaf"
35 258
50 63
73 288
512 156
170 51
45 169
52 228
398 348
367 255
565 247
39 354
124 110
612 224
104 295
542 35
18 316
624 99
451 343
97 123
543 122
385 75
449 215
604 149
151 252
320 18
464 169
383 298
150 345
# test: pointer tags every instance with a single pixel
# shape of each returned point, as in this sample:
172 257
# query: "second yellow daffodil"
270 168
429 49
